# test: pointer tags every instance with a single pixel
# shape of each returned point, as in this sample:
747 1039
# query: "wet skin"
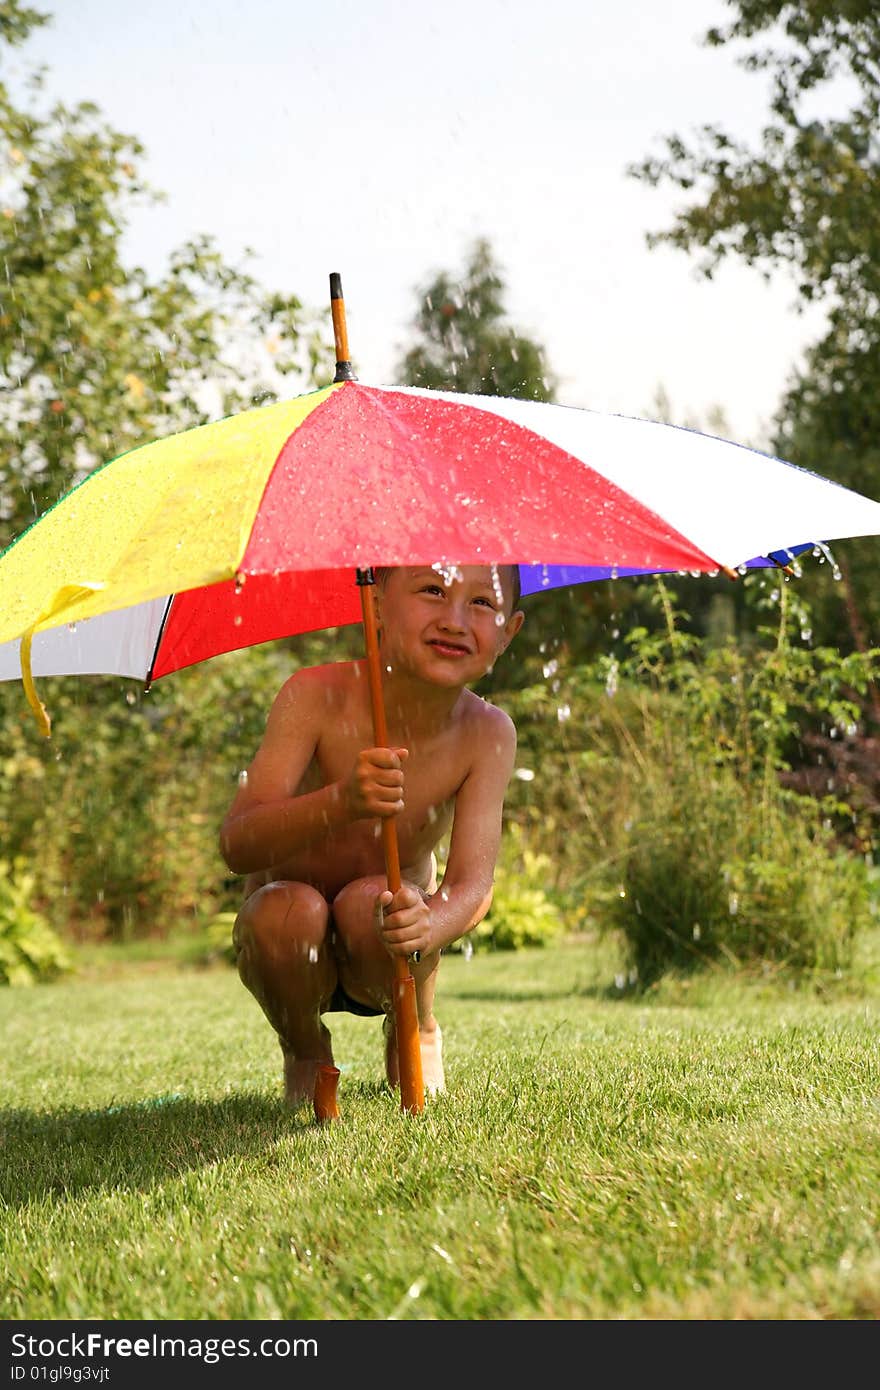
304 828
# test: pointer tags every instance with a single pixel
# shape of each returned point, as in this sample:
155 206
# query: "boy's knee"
356 902
279 913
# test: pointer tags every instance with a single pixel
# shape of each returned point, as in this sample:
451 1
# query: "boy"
318 927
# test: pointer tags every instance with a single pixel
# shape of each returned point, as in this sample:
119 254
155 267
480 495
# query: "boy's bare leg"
430 1035
430 1040
366 973
281 937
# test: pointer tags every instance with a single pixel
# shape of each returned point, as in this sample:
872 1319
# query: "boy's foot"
431 1050
299 1081
301 1073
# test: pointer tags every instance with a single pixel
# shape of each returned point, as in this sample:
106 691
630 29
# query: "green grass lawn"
707 1152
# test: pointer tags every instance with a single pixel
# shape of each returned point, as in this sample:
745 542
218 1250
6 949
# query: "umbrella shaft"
377 706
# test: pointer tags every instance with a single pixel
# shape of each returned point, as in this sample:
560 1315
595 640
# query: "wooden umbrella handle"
406 1014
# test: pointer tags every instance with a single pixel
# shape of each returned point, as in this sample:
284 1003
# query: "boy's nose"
453 617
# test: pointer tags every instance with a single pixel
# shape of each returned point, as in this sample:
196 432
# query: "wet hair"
510 572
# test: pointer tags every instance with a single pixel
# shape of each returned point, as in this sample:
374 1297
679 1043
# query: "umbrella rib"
148 679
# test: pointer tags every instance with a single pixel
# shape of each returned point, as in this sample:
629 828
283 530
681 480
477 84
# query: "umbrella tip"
340 333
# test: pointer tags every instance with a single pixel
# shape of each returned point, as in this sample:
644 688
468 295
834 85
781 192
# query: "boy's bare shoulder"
315 692
489 723
331 683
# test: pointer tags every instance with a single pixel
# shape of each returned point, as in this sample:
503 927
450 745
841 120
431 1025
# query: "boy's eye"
487 601
432 589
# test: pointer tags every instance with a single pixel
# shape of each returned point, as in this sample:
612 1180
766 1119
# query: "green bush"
707 878
653 780
30 951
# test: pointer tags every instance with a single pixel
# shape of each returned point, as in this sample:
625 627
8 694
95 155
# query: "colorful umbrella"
250 529
253 528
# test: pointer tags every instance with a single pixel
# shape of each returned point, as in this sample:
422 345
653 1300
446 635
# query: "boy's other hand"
375 786
403 920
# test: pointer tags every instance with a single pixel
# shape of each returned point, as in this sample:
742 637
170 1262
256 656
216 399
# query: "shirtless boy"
318 927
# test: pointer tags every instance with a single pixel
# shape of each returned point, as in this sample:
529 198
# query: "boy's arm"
463 897
267 820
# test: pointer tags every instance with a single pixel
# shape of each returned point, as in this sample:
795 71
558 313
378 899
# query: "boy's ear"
511 628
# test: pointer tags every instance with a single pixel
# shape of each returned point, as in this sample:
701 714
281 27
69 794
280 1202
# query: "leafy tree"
464 342
95 356
117 818
807 199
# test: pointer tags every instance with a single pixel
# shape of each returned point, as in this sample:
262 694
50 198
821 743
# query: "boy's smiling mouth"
448 648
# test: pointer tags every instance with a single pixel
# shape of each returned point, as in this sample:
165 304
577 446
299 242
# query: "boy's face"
450 627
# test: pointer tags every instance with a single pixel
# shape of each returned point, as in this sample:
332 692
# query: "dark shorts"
340 1002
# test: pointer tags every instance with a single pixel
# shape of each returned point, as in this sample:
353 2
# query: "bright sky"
380 139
